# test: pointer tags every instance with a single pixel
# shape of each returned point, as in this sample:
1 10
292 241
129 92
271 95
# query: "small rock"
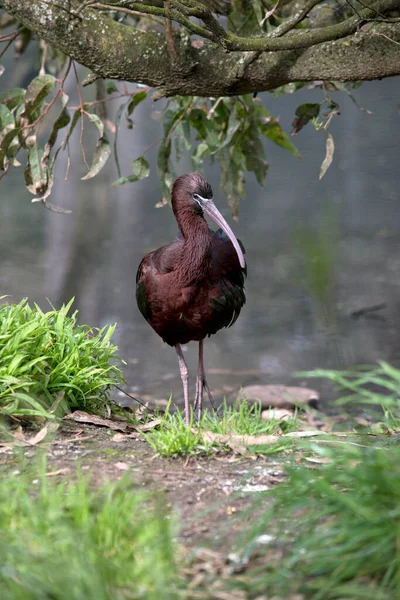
281 414
280 396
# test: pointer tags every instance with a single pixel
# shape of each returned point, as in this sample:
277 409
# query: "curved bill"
212 211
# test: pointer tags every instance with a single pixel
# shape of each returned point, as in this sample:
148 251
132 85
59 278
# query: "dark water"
316 250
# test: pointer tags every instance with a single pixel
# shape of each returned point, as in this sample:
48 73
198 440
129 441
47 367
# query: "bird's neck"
196 255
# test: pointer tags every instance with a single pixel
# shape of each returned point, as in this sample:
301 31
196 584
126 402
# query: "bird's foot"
209 394
198 400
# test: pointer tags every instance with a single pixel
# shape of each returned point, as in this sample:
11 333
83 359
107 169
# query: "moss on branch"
114 50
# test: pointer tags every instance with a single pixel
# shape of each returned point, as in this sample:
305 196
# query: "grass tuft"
333 531
174 438
371 387
45 353
68 541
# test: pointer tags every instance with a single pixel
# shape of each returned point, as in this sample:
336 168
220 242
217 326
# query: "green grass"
45 353
372 388
334 531
174 438
69 541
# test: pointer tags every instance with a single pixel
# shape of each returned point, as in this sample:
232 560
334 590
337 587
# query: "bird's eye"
196 197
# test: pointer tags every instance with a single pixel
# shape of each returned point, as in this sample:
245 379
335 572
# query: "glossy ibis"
194 286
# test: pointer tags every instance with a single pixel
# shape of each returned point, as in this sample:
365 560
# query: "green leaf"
255 161
111 86
233 125
330 148
102 150
8 133
304 114
8 147
118 116
36 177
163 168
75 119
12 97
38 89
6 119
136 99
274 132
62 121
140 170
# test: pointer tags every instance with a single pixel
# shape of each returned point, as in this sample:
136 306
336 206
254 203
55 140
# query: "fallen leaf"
63 471
120 437
121 466
149 425
79 416
21 439
238 443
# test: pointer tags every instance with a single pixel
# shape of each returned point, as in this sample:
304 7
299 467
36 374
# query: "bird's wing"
228 282
154 264
224 260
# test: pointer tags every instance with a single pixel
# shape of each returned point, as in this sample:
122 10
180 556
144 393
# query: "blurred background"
323 256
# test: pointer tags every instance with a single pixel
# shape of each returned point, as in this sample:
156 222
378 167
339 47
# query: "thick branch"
114 50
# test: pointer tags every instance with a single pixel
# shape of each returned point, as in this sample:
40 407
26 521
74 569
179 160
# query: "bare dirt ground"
205 492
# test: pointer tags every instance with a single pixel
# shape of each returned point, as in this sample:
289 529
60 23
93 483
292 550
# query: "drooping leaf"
12 97
38 89
75 119
304 114
233 125
102 150
8 133
118 116
8 147
36 177
330 148
140 170
6 119
62 121
255 159
163 168
136 99
111 86
274 132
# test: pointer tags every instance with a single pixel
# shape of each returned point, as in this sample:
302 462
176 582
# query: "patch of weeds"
45 353
173 437
68 541
332 532
371 387
243 418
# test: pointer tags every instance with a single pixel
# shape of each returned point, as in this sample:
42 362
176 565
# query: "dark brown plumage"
194 286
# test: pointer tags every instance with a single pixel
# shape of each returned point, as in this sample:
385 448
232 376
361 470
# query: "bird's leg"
201 383
185 380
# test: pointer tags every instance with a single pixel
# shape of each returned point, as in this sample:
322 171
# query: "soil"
207 493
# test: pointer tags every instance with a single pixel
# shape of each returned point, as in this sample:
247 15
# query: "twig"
43 46
82 113
128 11
386 37
174 15
294 20
169 36
269 13
10 41
150 410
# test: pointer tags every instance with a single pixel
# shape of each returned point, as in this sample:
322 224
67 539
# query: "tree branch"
290 23
306 38
114 50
